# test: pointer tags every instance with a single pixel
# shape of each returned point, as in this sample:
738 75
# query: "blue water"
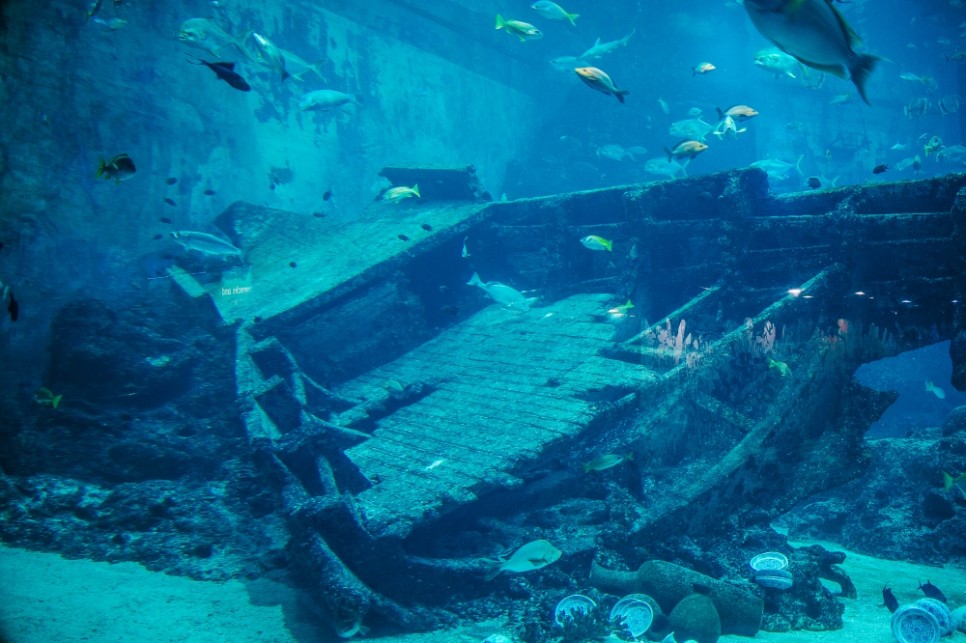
210 294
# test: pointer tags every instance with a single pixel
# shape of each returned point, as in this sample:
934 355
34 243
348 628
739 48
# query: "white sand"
45 598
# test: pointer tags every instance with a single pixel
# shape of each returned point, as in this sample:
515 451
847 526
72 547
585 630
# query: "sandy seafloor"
45 598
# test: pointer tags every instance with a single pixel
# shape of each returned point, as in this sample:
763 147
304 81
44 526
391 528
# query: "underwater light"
859 293
794 292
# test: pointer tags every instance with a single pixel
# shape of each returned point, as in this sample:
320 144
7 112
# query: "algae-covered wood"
503 387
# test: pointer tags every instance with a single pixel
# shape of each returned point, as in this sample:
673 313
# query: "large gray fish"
501 293
816 34
206 243
206 35
323 99
603 48
271 55
598 79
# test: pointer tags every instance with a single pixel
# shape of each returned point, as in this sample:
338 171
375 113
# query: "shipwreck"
408 426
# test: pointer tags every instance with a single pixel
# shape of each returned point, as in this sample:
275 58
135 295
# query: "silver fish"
270 55
816 34
553 11
501 293
323 99
567 63
695 128
206 243
778 170
603 48
206 35
778 62
297 67
660 166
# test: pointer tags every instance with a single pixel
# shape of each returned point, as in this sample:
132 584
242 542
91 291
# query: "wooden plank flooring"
505 386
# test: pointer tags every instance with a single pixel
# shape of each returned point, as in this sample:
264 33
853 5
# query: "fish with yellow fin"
595 242
953 482
522 30
783 369
45 397
622 309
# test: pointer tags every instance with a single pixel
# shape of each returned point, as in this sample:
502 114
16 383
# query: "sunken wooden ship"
408 427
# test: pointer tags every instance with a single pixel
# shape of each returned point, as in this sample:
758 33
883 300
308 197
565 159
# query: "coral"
578 626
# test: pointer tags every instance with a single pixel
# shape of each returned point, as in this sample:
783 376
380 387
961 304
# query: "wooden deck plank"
489 409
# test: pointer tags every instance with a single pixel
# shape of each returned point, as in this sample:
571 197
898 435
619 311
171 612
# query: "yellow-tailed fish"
622 309
554 11
522 30
949 480
783 369
46 397
594 242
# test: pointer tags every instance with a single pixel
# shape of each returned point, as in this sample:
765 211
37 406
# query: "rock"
955 422
695 617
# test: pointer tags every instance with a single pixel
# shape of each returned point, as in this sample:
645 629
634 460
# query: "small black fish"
931 591
450 310
13 308
120 168
209 192
327 195
157 236
292 264
318 215
879 169
170 202
889 599
172 180
814 183
226 72
402 237
426 227
165 220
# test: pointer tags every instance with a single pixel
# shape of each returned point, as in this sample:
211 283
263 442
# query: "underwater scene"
490 321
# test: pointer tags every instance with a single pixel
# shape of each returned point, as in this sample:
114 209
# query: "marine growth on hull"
391 309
